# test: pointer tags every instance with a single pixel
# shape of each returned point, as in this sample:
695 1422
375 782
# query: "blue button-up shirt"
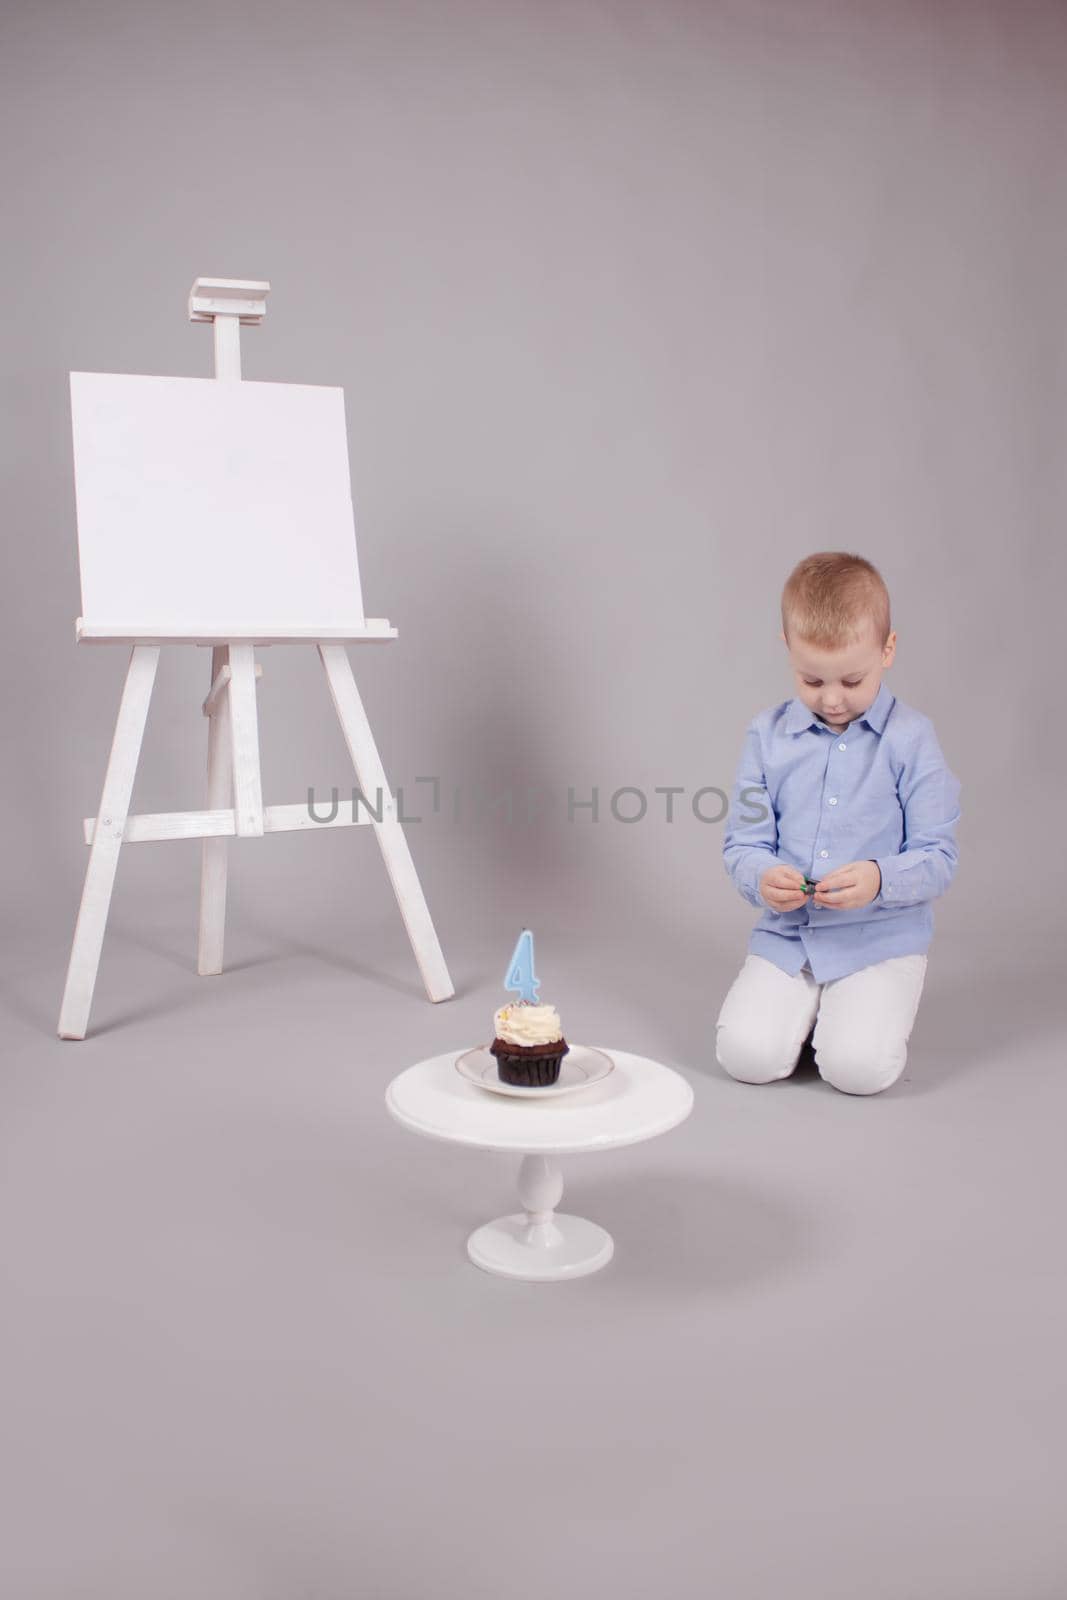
815 800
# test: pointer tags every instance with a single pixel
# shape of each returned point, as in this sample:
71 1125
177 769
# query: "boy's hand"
849 887
782 888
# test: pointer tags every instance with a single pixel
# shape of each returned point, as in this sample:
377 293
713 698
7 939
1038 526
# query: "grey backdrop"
633 305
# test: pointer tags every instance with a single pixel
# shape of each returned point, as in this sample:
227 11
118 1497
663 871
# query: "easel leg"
370 775
214 859
107 840
244 736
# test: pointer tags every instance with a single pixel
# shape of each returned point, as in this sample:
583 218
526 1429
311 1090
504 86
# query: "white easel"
234 799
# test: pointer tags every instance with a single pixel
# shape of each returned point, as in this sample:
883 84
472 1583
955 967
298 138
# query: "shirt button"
842 747
833 802
824 852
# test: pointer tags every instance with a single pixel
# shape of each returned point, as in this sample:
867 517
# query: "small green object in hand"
809 887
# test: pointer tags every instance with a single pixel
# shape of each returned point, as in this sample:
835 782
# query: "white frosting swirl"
521 1025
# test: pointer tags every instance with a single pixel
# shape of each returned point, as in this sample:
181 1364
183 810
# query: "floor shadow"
41 1016
687 1232
330 956
183 958
168 1005
963 1026
155 1010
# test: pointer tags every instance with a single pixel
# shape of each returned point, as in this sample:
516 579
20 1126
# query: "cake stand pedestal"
638 1100
540 1242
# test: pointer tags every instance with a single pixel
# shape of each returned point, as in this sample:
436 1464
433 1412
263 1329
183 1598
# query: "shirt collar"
798 717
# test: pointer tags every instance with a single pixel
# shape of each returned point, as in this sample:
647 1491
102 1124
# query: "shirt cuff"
895 890
759 865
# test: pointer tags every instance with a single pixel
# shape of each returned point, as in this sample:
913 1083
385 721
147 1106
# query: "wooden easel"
234 797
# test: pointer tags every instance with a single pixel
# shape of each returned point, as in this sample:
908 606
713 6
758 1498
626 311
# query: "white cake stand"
639 1100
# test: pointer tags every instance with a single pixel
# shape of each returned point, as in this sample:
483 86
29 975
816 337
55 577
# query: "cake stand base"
540 1243
562 1247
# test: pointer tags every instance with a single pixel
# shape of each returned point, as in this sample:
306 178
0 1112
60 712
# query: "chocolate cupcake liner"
530 1072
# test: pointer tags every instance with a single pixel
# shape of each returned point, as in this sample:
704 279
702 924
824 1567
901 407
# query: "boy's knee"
750 1056
856 1071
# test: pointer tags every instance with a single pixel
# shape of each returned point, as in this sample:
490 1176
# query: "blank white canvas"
213 503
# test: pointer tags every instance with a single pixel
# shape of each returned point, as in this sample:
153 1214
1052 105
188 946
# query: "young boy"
842 831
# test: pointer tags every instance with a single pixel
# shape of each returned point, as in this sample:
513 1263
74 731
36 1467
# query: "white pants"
862 1022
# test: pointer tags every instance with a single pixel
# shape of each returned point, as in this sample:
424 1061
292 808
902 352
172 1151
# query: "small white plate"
581 1066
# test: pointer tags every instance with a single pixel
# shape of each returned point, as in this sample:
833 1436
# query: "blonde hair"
831 598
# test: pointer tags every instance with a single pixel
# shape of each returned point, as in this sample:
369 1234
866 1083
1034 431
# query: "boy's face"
840 685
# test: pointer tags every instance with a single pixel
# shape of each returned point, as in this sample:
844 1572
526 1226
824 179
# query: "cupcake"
529 1044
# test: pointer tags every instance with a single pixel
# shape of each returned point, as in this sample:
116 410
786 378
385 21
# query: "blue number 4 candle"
520 975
